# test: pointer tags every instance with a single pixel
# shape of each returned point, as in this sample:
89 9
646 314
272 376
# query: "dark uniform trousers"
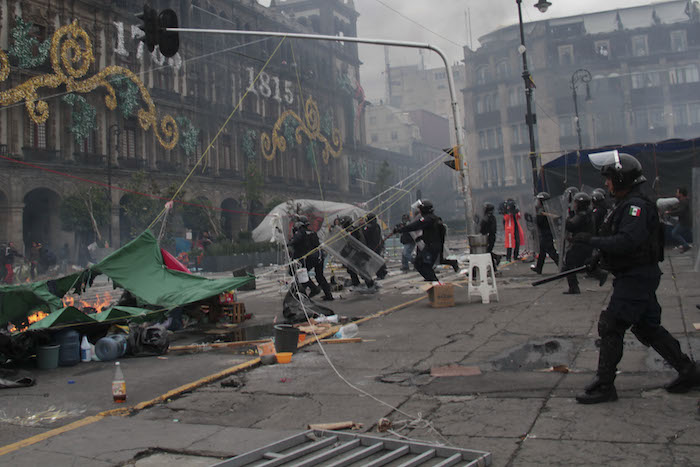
424 262
634 304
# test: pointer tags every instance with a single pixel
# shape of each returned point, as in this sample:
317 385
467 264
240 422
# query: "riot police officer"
428 244
305 244
631 246
488 227
372 234
545 234
346 223
581 221
600 207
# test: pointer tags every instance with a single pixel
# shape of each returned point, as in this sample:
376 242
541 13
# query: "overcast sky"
447 18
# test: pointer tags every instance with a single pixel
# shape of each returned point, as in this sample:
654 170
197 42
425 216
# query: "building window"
684 74
639 46
656 118
680 115
128 148
37 135
516 97
394 135
503 69
489 102
518 162
566 126
602 48
372 120
493 171
440 75
482 75
375 137
479 105
679 41
566 54
694 113
519 134
647 79
88 144
482 140
484 173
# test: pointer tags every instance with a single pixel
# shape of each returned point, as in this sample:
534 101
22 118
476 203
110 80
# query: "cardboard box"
441 295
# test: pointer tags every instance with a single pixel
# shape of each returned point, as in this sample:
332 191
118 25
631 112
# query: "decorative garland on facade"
71 56
128 94
290 127
189 135
23 46
83 117
310 126
327 124
248 144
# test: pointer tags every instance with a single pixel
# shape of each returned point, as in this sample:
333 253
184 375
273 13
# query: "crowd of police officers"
620 234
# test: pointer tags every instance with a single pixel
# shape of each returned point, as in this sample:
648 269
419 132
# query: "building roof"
643 16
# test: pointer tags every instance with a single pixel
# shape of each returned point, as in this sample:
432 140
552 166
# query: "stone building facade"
199 87
643 63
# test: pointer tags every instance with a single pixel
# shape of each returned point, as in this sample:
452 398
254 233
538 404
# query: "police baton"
561 275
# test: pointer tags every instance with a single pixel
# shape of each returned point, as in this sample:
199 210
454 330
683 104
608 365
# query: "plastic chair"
482 279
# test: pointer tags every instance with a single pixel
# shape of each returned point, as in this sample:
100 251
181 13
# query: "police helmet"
303 219
598 196
298 225
488 208
425 206
345 221
371 217
582 201
543 196
624 170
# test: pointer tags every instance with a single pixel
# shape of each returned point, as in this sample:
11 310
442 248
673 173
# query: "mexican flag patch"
635 211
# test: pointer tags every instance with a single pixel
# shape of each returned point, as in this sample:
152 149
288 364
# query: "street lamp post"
530 117
117 131
578 77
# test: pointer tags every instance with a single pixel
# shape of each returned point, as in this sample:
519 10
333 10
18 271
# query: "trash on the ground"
349 340
215 345
454 370
696 326
441 295
266 348
317 329
335 426
232 383
383 425
70 381
268 359
15 379
49 415
347 332
556 369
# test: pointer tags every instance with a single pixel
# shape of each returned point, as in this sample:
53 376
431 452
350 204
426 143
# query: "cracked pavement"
515 411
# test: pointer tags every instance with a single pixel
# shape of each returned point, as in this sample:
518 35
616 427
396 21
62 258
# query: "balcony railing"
167 166
90 159
131 163
41 154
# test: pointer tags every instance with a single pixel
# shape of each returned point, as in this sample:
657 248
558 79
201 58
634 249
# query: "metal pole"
109 171
579 76
463 169
530 118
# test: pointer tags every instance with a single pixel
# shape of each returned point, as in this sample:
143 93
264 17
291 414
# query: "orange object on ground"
284 357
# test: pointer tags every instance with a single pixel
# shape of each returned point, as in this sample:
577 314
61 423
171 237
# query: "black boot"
572 291
602 278
598 393
685 381
315 290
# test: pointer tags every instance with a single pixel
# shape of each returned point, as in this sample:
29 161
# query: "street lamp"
530 118
117 131
580 76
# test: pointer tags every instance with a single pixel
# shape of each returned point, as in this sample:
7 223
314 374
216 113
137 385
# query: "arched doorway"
40 219
4 218
231 218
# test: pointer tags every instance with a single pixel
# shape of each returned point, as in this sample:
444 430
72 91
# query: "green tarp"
136 267
71 315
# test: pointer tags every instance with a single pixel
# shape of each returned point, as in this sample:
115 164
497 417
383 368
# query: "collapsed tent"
321 215
666 164
138 267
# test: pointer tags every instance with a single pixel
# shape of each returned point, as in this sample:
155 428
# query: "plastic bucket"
302 275
111 347
478 244
286 338
47 356
69 353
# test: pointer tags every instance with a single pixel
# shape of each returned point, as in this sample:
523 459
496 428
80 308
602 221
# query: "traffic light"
455 164
154 33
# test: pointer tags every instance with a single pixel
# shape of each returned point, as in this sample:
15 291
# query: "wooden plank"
217 345
347 340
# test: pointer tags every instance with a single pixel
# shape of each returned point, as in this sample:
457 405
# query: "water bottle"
347 332
118 384
85 350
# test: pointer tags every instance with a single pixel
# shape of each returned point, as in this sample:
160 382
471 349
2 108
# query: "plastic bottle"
118 384
347 332
85 350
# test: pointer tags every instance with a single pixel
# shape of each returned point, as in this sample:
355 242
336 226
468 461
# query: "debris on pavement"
556 369
454 370
49 415
347 340
335 426
383 425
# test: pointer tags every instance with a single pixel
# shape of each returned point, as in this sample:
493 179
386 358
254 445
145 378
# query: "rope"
233 112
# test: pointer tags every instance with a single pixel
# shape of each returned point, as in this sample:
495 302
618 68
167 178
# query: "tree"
85 211
201 218
140 210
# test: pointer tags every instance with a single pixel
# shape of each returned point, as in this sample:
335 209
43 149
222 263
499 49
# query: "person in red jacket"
513 230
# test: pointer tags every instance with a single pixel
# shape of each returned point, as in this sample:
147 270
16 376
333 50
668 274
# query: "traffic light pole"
463 169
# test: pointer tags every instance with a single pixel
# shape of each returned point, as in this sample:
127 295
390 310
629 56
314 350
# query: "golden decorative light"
311 127
71 56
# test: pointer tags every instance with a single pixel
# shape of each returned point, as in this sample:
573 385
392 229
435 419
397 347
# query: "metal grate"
336 449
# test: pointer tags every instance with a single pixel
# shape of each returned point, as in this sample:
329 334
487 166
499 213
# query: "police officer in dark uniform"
545 234
600 207
428 254
305 244
580 222
631 246
372 233
488 227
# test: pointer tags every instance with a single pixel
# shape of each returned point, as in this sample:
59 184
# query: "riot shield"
352 253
